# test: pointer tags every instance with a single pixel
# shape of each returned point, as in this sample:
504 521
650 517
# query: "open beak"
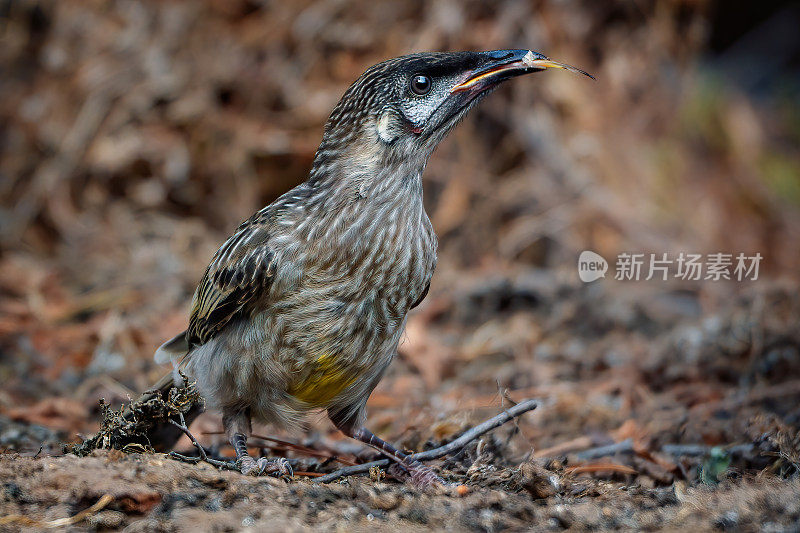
505 64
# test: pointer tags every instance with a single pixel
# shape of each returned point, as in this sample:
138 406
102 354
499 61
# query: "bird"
303 306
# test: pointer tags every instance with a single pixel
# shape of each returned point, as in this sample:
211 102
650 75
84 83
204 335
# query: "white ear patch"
387 130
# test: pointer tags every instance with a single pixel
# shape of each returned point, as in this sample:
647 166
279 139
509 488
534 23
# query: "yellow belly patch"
325 381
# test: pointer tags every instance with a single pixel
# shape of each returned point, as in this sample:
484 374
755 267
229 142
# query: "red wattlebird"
302 308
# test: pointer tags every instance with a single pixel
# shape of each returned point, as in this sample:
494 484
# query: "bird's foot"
279 467
419 475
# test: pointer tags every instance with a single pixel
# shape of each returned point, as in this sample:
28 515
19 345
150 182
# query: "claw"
279 467
420 475
424 477
286 468
247 466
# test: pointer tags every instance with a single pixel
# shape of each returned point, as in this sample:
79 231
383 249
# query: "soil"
155 493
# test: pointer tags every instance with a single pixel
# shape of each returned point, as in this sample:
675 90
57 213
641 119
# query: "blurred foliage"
210 110
781 174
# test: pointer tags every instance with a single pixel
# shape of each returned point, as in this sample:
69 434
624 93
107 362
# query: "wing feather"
237 278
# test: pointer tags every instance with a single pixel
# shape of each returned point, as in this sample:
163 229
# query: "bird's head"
402 108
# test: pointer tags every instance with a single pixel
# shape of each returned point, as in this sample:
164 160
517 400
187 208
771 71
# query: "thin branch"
203 455
482 428
59 523
467 437
678 450
286 445
599 467
625 446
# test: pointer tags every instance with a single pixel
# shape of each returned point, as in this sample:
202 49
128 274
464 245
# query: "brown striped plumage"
304 305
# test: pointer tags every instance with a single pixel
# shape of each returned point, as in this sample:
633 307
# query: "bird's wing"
238 276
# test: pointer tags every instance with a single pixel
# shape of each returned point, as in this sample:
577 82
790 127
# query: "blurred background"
135 136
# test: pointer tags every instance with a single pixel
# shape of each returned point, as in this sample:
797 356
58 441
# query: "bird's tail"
173 350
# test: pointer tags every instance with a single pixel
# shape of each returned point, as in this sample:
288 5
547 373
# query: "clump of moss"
127 429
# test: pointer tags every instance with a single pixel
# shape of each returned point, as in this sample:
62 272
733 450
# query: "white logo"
591 266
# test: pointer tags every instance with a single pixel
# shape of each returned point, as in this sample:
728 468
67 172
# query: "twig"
467 437
203 455
599 467
580 447
300 448
624 446
579 443
59 522
678 450
285 445
192 460
701 449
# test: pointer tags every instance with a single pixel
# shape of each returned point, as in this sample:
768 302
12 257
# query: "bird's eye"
421 84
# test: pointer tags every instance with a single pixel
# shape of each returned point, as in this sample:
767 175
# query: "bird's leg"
421 475
237 428
350 420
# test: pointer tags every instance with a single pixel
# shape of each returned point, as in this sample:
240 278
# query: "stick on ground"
468 436
202 453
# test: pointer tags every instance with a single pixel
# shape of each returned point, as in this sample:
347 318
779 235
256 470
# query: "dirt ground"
596 454
155 493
